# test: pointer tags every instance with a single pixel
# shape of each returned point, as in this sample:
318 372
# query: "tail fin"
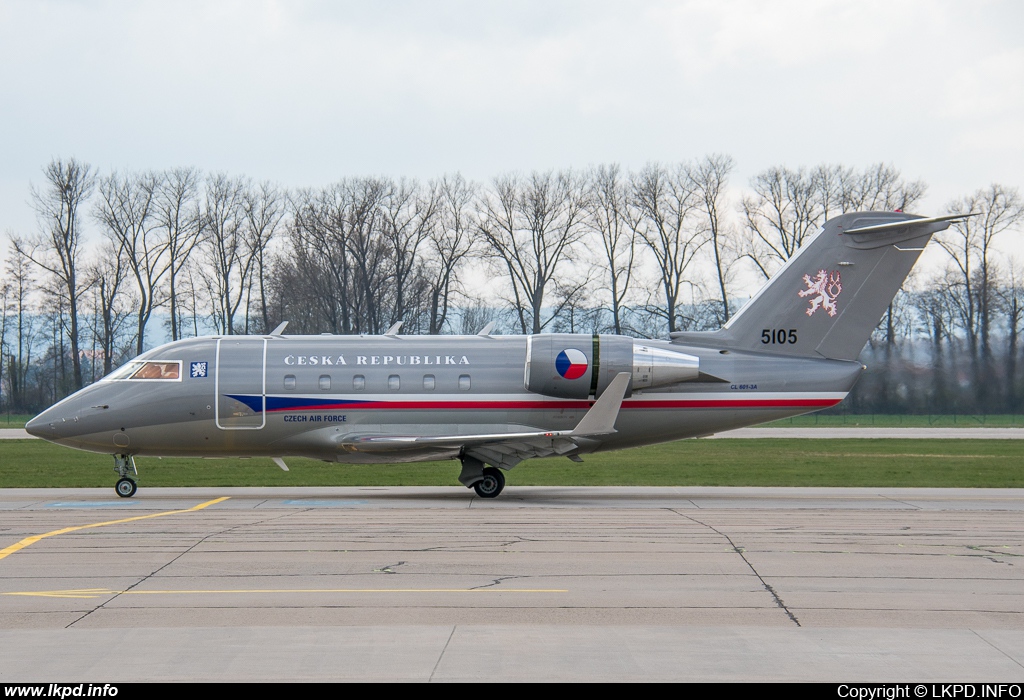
828 297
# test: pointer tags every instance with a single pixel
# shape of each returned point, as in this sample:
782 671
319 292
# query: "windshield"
160 369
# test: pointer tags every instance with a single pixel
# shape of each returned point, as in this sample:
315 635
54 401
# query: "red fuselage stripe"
559 405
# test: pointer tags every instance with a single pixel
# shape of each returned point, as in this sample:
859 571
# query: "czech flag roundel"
571 364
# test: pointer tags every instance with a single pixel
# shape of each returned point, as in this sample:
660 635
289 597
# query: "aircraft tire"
125 487
492 483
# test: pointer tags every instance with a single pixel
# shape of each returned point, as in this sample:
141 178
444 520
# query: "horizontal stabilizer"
910 223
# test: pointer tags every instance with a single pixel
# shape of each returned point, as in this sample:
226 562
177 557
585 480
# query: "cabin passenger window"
428 382
289 382
358 382
464 382
325 382
394 382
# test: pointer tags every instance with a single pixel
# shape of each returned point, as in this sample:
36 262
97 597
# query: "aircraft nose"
40 426
54 423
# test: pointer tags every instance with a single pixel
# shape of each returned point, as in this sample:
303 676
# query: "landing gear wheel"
125 465
492 483
126 488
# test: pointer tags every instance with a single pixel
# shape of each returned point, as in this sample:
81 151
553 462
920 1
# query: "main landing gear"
125 465
492 483
486 481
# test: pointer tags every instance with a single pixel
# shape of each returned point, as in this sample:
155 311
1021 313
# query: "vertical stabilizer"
829 297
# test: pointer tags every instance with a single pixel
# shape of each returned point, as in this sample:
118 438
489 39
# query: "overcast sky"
304 93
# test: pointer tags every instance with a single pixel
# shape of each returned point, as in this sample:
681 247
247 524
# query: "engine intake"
579 367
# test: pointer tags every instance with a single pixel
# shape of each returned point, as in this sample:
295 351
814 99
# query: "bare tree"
265 208
449 243
880 187
178 214
110 304
936 317
369 254
665 220
974 270
320 257
1012 300
709 178
126 209
58 248
530 226
19 327
231 259
609 220
781 214
788 206
342 257
408 216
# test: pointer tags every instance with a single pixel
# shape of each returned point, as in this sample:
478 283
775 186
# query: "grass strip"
723 462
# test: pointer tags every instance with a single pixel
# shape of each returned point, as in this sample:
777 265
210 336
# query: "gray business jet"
493 401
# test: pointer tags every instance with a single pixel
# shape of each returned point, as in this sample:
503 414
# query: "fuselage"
313 396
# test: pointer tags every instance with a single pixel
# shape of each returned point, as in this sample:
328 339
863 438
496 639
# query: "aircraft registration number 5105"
778 336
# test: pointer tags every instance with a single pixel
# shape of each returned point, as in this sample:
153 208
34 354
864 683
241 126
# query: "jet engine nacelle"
578 366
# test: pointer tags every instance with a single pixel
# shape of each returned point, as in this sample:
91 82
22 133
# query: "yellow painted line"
101 592
17 547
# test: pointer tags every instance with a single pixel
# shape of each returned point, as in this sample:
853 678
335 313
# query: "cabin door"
241 383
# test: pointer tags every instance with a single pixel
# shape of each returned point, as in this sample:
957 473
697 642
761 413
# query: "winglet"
600 419
280 329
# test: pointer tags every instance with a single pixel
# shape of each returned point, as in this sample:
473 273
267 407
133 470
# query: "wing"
508 449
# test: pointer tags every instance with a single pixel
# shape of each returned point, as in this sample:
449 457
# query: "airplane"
492 401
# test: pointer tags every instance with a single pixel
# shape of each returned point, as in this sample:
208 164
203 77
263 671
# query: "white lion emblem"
827 287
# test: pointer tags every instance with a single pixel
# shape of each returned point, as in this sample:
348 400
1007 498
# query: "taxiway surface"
545 583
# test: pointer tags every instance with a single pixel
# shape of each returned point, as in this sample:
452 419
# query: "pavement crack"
988 550
495 582
902 503
388 568
441 656
742 554
994 646
163 566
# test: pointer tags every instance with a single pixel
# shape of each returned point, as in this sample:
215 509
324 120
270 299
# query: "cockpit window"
162 369
157 370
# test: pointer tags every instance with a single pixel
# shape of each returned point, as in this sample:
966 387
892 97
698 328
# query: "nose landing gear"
125 465
125 487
